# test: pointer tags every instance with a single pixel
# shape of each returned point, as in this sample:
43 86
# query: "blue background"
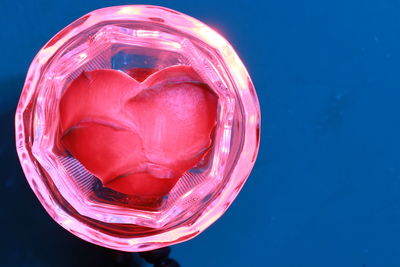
325 188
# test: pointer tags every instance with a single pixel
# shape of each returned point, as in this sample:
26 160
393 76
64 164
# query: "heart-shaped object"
138 131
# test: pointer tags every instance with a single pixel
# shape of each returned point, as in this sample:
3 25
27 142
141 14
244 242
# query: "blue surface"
325 188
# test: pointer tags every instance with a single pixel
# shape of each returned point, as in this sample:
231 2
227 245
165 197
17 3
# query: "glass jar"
121 38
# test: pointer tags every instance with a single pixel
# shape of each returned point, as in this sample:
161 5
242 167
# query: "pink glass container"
124 37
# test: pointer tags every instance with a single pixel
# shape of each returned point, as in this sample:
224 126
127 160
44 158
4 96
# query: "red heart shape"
138 133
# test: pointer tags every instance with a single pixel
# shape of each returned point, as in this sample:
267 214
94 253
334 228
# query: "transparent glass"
125 37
